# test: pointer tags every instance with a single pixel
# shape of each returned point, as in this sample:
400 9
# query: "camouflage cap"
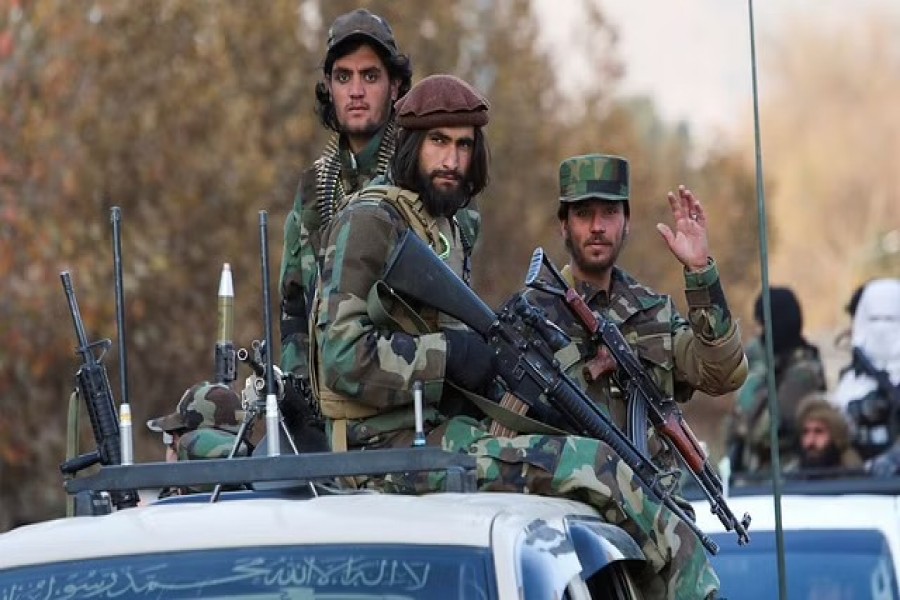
593 176
203 405
362 23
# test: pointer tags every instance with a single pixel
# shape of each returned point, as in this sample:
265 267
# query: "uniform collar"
621 301
367 160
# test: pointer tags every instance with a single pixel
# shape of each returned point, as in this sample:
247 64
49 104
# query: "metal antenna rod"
126 439
116 218
273 433
767 320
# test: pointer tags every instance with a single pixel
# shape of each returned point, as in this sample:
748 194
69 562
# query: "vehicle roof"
436 519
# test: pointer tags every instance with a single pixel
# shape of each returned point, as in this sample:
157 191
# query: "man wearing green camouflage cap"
370 351
204 425
702 352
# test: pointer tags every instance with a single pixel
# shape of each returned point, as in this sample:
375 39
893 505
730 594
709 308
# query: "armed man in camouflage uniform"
799 372
703 352
371 347
204 425
364 73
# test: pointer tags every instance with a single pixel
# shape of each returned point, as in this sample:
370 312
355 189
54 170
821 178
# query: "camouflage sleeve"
201 444
708 350
374 366
297 280
754 388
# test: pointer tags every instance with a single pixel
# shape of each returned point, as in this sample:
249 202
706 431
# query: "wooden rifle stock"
601 364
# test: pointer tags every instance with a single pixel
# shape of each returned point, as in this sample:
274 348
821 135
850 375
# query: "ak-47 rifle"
525 362
646 400
93 386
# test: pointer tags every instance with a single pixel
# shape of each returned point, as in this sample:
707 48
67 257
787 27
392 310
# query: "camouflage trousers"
581 469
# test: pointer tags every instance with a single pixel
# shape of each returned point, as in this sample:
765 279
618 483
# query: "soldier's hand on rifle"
470 360
688 242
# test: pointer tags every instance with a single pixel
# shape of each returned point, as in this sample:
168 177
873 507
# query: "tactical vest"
385 309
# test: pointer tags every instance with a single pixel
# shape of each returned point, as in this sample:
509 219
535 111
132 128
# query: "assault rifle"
93 386
646 400
524 362
874 412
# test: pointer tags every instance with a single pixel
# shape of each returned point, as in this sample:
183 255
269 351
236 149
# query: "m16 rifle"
524 364
646 400
92 385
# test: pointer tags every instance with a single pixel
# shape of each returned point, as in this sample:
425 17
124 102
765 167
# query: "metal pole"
767 321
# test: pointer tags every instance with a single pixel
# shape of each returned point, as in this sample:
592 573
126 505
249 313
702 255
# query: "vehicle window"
613 582
308 572
840 564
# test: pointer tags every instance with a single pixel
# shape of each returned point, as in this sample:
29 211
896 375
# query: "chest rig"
385 310
330 188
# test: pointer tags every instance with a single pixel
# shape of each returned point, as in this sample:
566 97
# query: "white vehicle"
841 541
288 544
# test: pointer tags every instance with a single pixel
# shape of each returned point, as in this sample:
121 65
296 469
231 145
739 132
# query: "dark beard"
577 256
829 458
439 203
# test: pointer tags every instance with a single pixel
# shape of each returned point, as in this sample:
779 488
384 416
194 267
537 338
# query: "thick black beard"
830 457
439 203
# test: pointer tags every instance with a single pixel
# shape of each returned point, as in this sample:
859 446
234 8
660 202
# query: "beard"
593 266
828 457
442 203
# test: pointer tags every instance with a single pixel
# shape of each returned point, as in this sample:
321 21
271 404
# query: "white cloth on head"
876 331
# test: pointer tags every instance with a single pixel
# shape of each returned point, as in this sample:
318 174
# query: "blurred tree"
832 136
193 115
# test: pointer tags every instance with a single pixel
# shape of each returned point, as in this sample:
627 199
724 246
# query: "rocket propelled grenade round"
225 363
226 305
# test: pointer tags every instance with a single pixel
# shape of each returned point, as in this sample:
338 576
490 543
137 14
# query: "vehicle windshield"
303 572
822 564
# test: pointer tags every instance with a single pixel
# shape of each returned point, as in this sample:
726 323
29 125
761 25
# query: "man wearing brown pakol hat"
368 352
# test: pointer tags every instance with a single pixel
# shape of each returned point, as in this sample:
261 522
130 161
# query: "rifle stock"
647 400
525 364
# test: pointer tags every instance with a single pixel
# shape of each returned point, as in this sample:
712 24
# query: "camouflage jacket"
366 368
703 352
207 442
798 373
338 172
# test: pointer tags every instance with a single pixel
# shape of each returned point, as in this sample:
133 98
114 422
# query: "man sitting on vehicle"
824 437
204 425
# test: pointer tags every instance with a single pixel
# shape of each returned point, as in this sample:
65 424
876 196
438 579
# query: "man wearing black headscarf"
798 372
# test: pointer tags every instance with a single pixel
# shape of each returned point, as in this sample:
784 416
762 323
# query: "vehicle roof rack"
319 466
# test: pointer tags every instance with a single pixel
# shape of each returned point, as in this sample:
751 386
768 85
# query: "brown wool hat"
442 101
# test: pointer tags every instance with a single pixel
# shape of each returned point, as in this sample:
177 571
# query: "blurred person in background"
824 437
869 388
798 371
